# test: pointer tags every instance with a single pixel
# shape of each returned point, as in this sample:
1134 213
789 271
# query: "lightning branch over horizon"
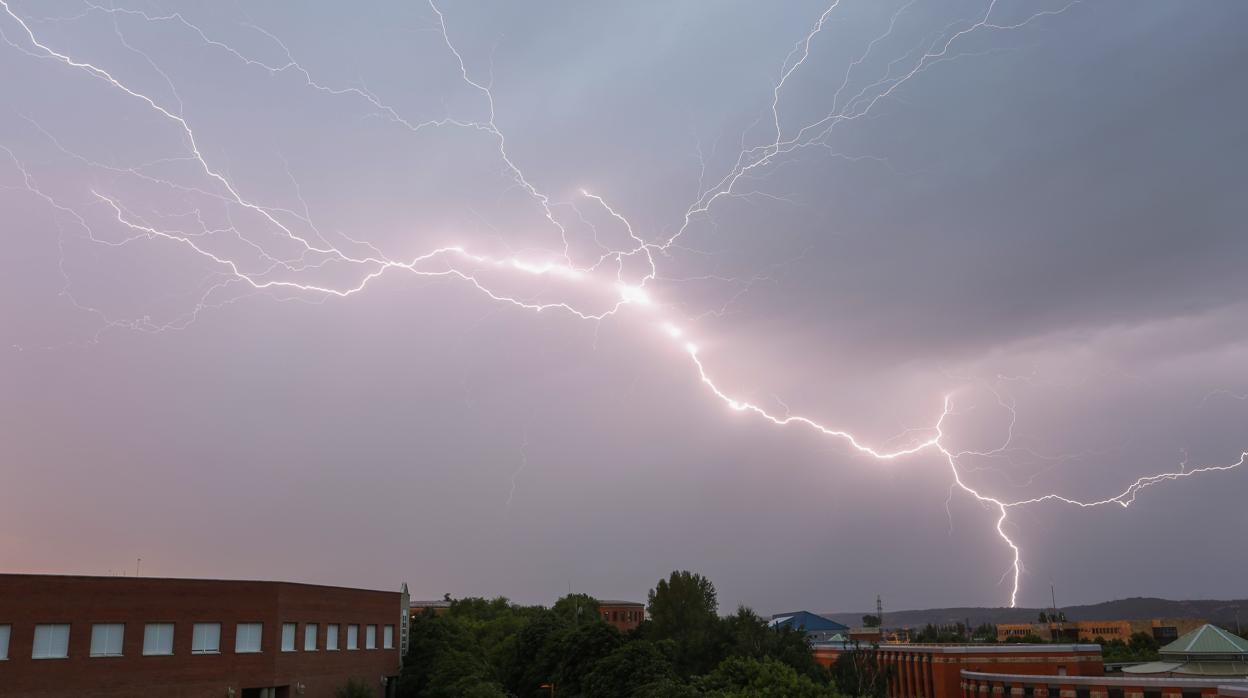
286 253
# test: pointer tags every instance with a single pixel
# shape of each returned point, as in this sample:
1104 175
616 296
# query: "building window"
106 639
288 637
206 638
353 637
4 641
51 641
247 638
309 636
370 637
331 637
387 637
157 639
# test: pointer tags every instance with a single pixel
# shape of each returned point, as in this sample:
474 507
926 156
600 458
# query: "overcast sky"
1034 209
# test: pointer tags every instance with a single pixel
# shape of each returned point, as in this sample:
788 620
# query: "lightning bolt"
272 270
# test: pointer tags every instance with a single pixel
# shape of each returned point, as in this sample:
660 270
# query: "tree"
858 672
870 621
760 678
455 654
681 601
354 688
624 672
1143 645
670 688
579 648
942 633
577 608
531 662
683 608
984 632
491 648
746 634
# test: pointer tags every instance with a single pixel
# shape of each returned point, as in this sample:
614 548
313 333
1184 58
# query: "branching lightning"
606 277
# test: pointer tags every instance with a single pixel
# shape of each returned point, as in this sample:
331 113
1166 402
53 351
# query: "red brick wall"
935 671
26 600
624 617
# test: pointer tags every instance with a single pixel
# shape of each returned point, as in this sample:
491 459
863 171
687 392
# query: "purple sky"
271 278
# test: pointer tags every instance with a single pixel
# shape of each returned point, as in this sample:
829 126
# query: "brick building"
435 608
990 685
624 615
935 671
1161 629
64 636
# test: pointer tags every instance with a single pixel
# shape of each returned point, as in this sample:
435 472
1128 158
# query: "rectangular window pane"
158 638
288 637
106 639
331 637
353 637
247 637
207 639
4 641
309 637
370 637
387 637
51 641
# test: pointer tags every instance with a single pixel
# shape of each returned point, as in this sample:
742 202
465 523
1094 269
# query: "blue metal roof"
807 622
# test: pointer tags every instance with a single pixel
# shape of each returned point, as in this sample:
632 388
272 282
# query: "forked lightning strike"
457 261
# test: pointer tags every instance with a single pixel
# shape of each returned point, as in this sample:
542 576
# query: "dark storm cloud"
1056 214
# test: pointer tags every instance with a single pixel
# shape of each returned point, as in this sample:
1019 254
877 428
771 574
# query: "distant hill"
1222 612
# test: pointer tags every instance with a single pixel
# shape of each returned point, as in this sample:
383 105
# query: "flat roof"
127 578
1010 648
1105 680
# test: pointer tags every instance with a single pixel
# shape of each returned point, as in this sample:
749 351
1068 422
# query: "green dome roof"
1207 639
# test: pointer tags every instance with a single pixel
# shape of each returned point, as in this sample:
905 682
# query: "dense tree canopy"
492 648
1141 647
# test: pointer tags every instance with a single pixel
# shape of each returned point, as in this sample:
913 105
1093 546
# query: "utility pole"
137 563
879 613
1053 612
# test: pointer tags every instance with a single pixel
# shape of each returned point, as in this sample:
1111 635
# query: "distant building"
624 615
868 635
1205 651
432 607
816 627
983 685
1163 630
1031 671
109 637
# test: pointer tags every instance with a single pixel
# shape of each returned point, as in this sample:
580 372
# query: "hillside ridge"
1134 608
